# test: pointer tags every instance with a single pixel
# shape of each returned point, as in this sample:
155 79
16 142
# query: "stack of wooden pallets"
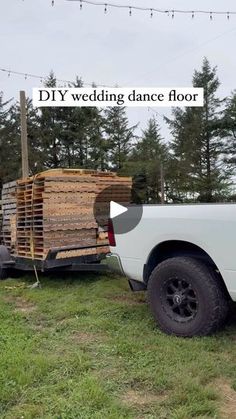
56 209
9 215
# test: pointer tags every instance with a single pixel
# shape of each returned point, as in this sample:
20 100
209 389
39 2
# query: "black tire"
187 298
4 257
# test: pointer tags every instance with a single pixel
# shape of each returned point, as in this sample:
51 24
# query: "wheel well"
174 248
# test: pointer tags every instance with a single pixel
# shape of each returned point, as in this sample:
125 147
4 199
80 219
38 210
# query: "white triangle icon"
116 209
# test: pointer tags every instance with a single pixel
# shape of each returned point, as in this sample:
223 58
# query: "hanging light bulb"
151 13
25 76
173 14
193 15
228 15
81 4
53 2
9 73
130 11
211 17
105 9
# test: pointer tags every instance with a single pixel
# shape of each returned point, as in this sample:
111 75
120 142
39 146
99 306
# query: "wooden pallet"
9 215
56 209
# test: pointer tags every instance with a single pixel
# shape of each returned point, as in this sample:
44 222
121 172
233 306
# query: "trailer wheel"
187 298
4 257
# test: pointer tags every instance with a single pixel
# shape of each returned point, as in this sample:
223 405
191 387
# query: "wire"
27 75
43 78
171 12
183 54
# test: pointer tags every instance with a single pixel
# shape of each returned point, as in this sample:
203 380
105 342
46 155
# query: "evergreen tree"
119 136
98 145
50 131
228 129
36 150
35 147
197 145
185 154
149 158
74 138
9 143
71 137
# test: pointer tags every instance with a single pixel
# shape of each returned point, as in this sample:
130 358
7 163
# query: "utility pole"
24 137
162 185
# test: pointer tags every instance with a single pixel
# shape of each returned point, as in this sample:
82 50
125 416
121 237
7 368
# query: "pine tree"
37 154
228 129
197 145
185 154
149 157
72 137
9 143
73 131
98 145
50 131
119 136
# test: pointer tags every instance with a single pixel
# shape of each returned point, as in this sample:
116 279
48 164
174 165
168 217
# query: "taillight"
111 234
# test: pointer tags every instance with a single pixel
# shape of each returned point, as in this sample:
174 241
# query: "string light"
42 78
154 9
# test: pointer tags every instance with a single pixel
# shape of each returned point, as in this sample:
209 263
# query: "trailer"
10 263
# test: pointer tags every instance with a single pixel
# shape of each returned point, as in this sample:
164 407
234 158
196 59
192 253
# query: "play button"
116 209
120 203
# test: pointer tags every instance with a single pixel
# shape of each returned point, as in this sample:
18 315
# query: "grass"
86 347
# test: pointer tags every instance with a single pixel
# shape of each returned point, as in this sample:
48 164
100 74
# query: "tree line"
196 165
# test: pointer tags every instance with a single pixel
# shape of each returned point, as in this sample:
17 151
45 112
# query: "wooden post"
24 139
162 185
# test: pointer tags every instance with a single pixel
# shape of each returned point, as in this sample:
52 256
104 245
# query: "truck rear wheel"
4 257
187 298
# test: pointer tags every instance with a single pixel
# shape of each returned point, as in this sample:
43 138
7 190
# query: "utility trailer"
10 263
49 222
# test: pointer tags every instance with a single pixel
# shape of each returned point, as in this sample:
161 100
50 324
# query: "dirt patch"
140 398
38 327
21 305
129 299
228 399
87 337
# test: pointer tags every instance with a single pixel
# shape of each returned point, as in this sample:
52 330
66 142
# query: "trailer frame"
51 263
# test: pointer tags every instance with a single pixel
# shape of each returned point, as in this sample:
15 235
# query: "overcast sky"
115 48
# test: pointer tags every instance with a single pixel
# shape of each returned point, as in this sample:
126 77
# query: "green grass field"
87 347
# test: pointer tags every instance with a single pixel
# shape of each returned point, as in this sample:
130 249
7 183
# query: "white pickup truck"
185 255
